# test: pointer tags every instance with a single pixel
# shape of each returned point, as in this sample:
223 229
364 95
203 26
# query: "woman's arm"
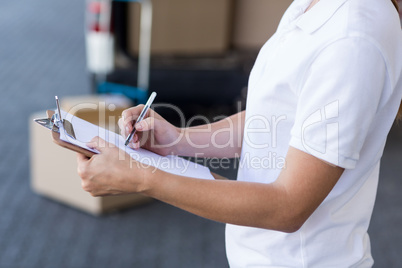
154 133
283 205
220 139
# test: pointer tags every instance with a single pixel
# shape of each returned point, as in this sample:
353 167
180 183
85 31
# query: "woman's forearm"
219 139
241 203
283 205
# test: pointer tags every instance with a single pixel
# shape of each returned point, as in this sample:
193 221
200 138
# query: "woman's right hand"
153 133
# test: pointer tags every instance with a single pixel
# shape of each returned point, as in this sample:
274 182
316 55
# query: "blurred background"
199 59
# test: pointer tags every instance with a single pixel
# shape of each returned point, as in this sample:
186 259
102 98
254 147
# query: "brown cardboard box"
256 21
184 26
54 169
101 110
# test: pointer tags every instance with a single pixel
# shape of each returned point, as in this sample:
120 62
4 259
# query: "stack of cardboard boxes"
207 26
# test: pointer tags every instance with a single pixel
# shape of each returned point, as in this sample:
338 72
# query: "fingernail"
139 126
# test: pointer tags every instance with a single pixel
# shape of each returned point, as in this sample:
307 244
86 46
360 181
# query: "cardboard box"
256 21
54 169
101 110
184 26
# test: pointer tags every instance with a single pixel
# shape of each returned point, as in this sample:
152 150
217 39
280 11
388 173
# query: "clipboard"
53 122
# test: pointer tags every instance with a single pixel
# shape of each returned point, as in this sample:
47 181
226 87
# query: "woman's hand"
112 172
153 133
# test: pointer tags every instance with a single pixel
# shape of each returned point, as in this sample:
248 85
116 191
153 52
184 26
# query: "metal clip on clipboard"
55 121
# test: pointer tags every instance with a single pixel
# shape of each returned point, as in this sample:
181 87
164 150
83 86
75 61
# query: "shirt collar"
318 15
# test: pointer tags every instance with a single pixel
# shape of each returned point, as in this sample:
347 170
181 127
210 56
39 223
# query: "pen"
142 114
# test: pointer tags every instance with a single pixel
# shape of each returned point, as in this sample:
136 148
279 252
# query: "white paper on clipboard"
85 131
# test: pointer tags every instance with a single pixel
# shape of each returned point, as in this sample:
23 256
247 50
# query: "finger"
125 129
120 123
81 164
128 129
98 144
81 158
131 114
135 138
146 124
135 145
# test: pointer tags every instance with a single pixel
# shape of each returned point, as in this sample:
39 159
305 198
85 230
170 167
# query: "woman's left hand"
111 172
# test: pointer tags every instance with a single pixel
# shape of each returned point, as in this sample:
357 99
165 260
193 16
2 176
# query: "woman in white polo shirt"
322 97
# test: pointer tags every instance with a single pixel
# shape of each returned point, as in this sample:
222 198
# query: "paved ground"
41 55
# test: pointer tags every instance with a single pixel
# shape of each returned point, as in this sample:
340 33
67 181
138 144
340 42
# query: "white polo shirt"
327 83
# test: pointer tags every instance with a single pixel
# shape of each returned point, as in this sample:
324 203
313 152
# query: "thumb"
97 143
146 124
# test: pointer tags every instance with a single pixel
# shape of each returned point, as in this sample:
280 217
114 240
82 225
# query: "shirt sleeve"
338 100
